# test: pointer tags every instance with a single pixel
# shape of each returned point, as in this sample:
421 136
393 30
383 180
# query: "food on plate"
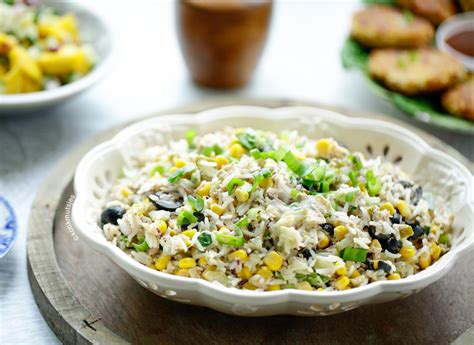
436 11
385 26
459 100
40 49
257 210
466 5
414 72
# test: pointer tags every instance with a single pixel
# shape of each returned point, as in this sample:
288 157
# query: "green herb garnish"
179 173
444 239
190 135
141 246
354 254
231 240
186 218
374 185
197 203
233 183
205 239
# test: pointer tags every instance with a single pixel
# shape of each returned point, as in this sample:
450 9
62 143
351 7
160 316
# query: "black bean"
393 245
381 265
199 216
405 184
164 204
329 228
417 231
306 253
371 230
416 195
396 219
383 239
111 215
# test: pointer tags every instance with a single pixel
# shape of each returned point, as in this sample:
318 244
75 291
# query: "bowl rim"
101 68
138 270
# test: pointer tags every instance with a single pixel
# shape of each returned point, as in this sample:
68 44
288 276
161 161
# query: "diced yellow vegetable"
407 252
304 286
183 272
221 161
180 163
249 286
403 208
324 146
238 255
340 232
274 287
394 276
202 261
355 274
245 273
375 244
341 269
162 262
187 263
299 155
406 231
217 209
266 183
162 226
265 272
342 283
204 189
389 207
189 233
241 195
236 150
424 260
66 60
273 260
435 251
173 169
323 241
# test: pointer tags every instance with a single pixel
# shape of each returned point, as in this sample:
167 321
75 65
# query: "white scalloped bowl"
438 173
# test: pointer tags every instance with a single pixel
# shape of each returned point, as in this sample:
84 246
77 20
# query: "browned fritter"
381 26
459 100
436 11
467 5
414 72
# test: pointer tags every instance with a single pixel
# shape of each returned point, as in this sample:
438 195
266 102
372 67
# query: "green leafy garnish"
294 164
197 203
242 223
231 240
356 162
313 279
141 246
157 169
354 254
186 218
353 177
259 177
179 173
190 135
247 139
374 185
444 239
205 239
233 183
209 150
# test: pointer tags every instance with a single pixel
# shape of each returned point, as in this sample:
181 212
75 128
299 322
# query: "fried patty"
387 27
459 100
414 72
436 11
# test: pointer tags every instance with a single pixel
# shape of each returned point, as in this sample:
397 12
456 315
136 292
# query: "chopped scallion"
354 254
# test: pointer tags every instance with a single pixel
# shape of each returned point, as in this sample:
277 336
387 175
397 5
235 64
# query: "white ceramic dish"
95 32
437 171
458 23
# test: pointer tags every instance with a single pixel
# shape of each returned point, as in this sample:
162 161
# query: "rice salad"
263 211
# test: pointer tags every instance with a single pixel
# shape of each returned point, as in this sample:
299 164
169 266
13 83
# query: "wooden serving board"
86 299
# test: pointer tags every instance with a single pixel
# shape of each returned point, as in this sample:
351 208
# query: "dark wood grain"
86 299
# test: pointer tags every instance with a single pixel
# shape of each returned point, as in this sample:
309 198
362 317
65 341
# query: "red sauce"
463 42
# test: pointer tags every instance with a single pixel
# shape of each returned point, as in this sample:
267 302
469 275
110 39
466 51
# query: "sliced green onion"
179 173
242 223
157 169
231 240
313 279
444 239
209 150
197 203
190 135
205 239
186 218
255 153
259 177
374 185
254 214
293 164
233 183
353 177
247 139
142 246
356 162
354 254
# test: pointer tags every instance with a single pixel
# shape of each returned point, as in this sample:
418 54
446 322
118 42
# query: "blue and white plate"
8 227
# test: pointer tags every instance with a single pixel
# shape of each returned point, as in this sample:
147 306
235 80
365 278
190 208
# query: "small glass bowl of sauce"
456 37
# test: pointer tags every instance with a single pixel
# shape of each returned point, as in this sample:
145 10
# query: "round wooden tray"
87 299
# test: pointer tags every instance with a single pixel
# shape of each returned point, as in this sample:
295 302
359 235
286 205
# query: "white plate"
436 171
94 31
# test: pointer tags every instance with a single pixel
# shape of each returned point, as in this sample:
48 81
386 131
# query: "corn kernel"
183 272
403 208
249 286
180 163
341 269
238 255
173 169
217 209
323 241
407 252
273 260
340 232
375 244
304 286
406 231
187 263
236 150
245 273
274 287
389 207
186 241
241 195
172 232
162 226
266 183
202 261
162 262
424 260
221 161
324 148
435 251
204 189
342 282
299 156
355 274
125 191
320 289
265 272
189 233
394 276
